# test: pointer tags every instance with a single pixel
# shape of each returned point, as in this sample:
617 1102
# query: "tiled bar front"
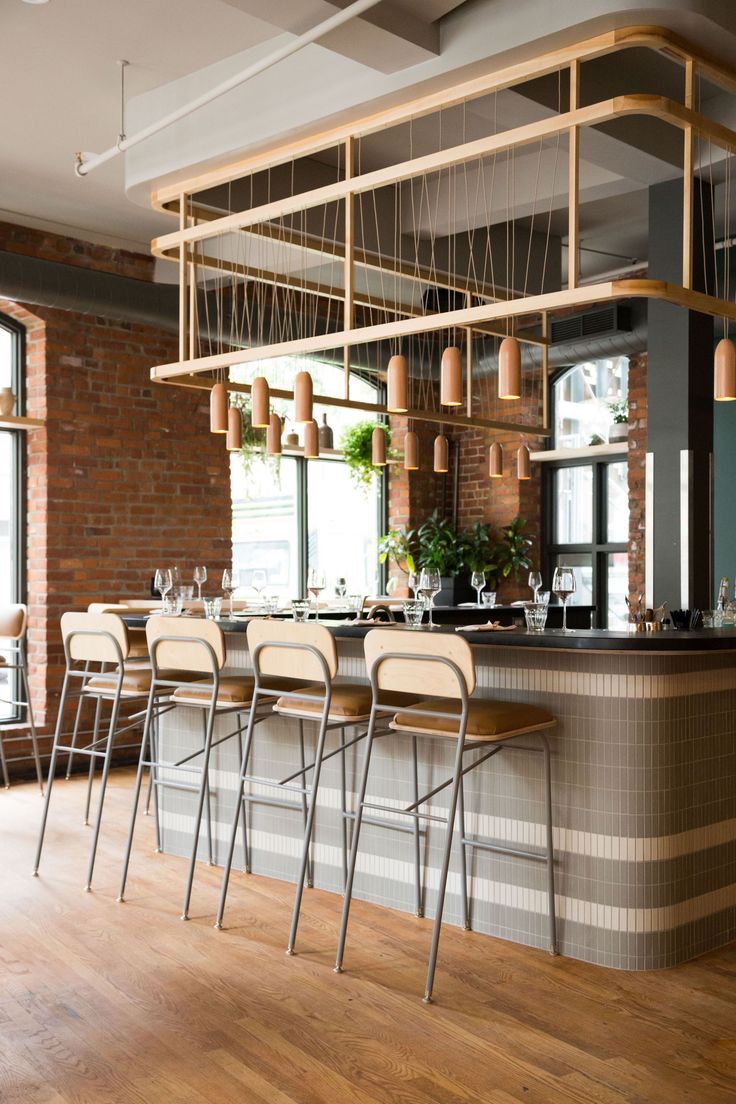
644 787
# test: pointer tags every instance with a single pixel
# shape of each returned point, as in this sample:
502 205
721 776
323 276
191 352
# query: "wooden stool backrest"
13 621
417 662
290 655
190 651
91 637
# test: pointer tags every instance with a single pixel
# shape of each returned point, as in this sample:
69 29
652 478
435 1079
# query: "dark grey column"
680 406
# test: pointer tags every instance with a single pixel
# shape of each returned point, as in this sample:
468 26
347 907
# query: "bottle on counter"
723 593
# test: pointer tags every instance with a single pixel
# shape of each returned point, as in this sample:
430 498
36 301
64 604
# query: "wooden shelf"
590 451
14 421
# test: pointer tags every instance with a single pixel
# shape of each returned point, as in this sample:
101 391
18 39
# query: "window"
290 514
11 460
587 500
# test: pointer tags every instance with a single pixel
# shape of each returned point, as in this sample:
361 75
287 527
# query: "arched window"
587 515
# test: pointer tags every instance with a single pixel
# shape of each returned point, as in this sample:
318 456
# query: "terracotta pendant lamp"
260 402
234 439
441 454
451 377
724 371
273 436
218 408
311 439
303 398
523 463
411 451
397 401
495 461
509 369
378 447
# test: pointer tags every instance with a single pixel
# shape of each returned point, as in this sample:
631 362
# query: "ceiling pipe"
85 163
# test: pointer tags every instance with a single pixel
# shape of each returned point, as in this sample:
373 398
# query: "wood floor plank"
102 1003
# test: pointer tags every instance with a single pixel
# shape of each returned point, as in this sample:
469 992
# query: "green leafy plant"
440 547
514 549
481 551
399 545
357 447
619 411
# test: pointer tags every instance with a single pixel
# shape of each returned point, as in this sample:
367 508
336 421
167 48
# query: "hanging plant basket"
357 448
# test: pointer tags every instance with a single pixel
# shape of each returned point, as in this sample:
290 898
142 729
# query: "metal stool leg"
418 902
29 707
202 795
52 769
244 821
153 787
550 848
145 740
239 807
92 761
354 848
305 811
309 827
75 730
456 782
463 855
103 787
208 806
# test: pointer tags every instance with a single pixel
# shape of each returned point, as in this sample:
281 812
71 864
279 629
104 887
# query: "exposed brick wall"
123 477
57 247
637 460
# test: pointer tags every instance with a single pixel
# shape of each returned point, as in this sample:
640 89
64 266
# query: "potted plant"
513 549
254 440
440 547
481 552
399 545
619 431
357 448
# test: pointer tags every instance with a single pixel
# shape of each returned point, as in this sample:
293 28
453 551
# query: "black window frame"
19 482
599 547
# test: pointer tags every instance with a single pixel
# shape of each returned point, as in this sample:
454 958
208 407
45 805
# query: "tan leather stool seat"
3 661
487 719
350 700
233 689
136 680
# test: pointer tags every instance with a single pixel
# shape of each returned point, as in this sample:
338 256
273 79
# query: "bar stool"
13 623
406 662
93 642
306 652
182 651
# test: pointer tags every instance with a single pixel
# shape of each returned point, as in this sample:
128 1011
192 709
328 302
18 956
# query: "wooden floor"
102 1002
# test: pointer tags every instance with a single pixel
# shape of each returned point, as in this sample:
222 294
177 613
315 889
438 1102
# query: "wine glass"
563 584
200 576
478 581
258 581
535 582
429 585
229 585
413 583
163 582
315 586
341 589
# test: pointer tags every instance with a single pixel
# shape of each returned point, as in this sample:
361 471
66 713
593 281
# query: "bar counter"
644 790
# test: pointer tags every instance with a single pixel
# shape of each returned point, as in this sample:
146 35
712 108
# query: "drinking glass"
163 582
212 608
200 576
414 612
478 581
300 609
536 616
355 603
535 582
489 598
315 586
229 585
172 604
429 585
270 604
258 581
341 589
563 584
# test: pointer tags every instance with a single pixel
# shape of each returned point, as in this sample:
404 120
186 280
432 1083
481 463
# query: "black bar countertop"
703 640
